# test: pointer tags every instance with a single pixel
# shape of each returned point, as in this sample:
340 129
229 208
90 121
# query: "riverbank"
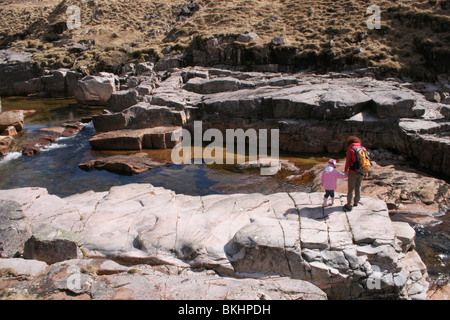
347 255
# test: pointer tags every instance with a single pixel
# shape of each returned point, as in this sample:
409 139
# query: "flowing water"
56 169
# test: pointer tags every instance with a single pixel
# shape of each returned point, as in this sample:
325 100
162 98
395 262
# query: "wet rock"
44 137
32 86
11 118
6 144
10 131
124 164
137 139
71 82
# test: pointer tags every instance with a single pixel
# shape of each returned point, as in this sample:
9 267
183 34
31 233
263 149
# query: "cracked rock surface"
289 236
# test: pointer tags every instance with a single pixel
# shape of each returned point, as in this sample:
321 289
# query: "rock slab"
347 255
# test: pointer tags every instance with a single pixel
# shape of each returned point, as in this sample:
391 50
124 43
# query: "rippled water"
56 169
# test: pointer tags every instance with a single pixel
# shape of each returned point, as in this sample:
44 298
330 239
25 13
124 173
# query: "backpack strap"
356 162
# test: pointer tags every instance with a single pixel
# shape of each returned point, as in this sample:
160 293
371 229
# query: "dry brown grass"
410 29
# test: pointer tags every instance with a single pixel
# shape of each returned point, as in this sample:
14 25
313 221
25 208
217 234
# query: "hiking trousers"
354 186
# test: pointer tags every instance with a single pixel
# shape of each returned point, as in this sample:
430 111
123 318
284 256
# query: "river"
56 169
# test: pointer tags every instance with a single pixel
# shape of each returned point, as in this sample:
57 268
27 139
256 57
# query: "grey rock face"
14 229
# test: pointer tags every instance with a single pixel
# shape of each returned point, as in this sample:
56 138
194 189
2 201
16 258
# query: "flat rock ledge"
285 244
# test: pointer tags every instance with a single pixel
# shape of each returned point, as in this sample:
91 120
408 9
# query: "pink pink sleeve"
340 175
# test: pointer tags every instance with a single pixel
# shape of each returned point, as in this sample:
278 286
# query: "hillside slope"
414 38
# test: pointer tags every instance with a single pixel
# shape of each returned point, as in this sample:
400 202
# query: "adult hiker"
357 166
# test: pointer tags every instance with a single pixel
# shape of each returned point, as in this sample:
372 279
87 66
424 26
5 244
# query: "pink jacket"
329 178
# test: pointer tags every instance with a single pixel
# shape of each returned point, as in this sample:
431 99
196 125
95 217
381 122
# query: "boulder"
144 68
10 131
445 111
11 118
50 251
169 62
95 90
341 103
109 122
393 103
193 73
23 267
406 234
121 100
246 37
6 143
125 164
278 41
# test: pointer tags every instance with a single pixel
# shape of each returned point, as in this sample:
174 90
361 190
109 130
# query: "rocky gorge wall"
313 113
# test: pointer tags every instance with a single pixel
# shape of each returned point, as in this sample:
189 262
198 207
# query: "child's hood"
329 169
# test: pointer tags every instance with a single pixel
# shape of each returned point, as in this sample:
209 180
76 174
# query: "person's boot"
331 202
348 207
324 202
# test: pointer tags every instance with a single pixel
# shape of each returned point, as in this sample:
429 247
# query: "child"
328 179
